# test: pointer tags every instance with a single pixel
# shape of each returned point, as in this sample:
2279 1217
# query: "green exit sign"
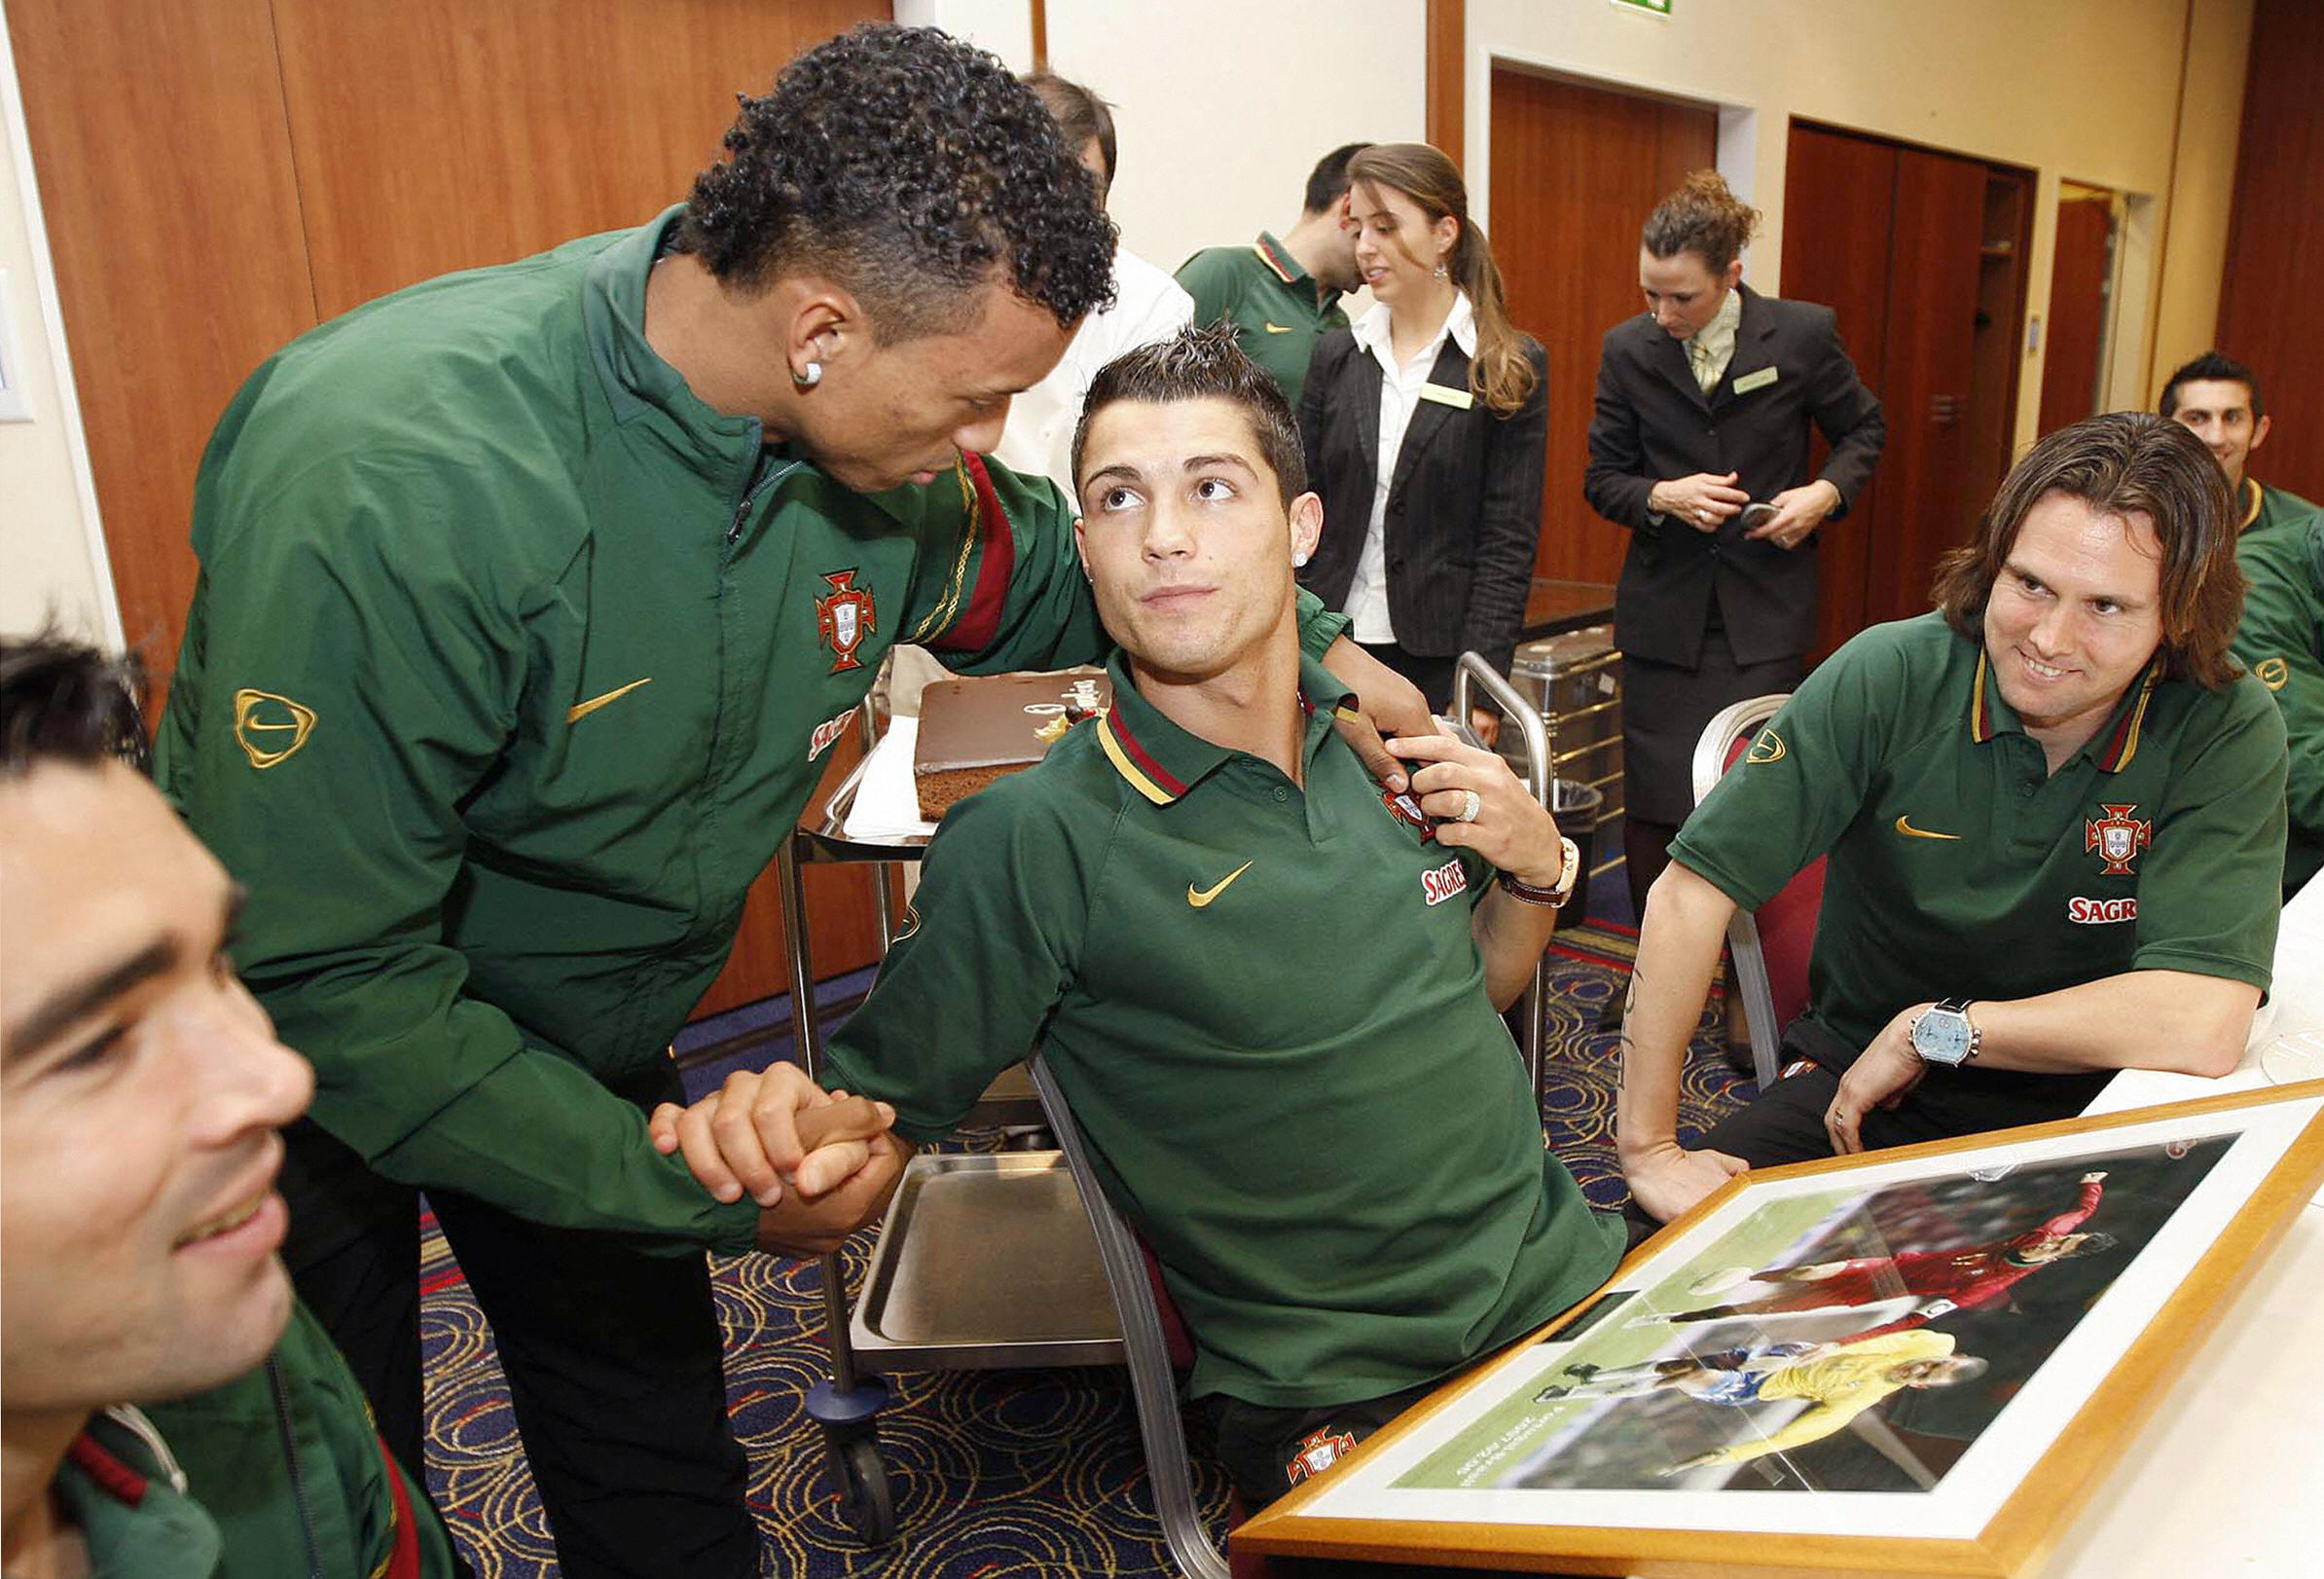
1658 8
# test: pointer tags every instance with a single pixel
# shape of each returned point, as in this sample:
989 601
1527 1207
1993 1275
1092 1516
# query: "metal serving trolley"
988 1260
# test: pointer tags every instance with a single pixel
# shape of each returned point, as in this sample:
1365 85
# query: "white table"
2223 1481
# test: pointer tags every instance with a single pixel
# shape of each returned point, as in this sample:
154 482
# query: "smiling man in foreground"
1268 990
144 1090
2054 812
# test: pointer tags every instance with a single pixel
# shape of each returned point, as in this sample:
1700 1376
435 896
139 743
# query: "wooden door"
2081 280
219 176
1576 171
1927 364
1839 215
2271 310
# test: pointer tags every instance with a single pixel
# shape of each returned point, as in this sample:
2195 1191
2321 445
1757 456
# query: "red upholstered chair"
1770 945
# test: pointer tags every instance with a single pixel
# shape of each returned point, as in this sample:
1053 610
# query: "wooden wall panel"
1576 171
219 176
1840 213
1927 364
1448 78
2078 281
2270 312
165 178
441 135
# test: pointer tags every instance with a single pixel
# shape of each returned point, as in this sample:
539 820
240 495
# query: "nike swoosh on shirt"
1200 896
582 709
1278 328
1905 828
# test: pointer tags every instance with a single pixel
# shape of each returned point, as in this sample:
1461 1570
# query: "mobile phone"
1756 513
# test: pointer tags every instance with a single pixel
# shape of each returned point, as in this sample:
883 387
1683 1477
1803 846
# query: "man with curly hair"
532 599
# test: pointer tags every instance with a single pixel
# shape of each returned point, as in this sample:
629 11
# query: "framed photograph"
1913 1362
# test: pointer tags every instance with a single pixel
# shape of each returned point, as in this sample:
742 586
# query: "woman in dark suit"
1425 426
1703 409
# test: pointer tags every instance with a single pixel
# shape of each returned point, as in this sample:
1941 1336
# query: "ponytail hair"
1499 374
1703 217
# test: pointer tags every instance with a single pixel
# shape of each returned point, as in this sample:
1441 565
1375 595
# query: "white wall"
2085 90
1221 107
52 558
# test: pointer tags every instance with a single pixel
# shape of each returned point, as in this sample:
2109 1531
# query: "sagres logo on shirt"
1768 748
269 727
2273 672
1441 883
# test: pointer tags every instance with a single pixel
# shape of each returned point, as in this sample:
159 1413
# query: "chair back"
1771 944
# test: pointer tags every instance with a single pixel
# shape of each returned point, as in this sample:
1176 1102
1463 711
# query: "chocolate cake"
973 731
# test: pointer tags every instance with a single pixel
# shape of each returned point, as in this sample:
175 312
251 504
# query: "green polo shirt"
1265 1004
2282 641
1959 864
1270 299
2266 507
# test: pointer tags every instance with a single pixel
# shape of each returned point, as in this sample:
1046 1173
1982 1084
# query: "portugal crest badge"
2117 837
844 619
1317 1452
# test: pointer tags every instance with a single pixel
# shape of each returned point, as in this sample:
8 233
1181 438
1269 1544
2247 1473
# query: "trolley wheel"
865 1501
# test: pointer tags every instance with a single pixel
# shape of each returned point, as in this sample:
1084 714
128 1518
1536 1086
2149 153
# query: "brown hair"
2120 463
1500 373
1199 363
1702 217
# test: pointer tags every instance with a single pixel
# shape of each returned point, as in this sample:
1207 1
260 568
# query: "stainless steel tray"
985 1262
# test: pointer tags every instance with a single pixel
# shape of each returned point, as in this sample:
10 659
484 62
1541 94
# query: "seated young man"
2054 812
138 1218
1269 991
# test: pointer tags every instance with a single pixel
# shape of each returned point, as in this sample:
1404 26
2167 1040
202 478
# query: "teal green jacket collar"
638 384
1162 761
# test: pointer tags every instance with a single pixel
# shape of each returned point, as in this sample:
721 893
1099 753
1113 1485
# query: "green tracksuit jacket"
277 1475
509 664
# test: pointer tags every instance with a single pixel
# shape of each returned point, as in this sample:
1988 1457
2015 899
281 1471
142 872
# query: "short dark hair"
1081 115
2120 462
1203 363
2211 367
1328 182
64 701
912 169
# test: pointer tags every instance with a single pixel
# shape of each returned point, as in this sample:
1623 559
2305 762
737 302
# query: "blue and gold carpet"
995 1473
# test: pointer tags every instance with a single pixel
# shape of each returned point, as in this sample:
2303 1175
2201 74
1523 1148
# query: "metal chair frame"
1726 727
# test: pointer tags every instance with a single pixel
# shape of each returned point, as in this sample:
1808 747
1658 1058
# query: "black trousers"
613 1358
1785 1123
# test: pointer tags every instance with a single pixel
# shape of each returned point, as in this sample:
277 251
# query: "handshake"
819 1163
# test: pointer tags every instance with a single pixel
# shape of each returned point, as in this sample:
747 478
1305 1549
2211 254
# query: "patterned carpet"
995 1473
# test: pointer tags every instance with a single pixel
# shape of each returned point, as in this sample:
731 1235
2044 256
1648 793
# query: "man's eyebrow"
75 1002
1196 462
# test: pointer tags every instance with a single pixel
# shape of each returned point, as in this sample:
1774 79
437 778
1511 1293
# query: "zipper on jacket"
761 479
290 1456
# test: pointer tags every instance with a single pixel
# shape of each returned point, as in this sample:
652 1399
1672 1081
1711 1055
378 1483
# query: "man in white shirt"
1147 306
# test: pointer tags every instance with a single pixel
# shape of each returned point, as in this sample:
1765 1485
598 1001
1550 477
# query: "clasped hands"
1707 501
819 1163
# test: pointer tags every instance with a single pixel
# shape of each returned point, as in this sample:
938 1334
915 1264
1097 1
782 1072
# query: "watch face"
1942 1037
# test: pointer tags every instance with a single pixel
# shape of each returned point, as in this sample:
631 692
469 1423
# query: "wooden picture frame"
1537 1459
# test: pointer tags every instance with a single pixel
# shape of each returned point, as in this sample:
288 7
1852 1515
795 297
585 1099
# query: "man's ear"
2259 433
827 327
1081 543
1307 526
1732 275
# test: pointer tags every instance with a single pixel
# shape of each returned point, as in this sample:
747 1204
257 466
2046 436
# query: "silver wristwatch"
1945 1035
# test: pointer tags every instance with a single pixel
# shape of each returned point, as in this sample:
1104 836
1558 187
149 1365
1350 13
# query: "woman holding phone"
1425 426
1700 445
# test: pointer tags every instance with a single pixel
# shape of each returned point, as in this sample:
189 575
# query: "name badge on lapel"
1755 381
1445 394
